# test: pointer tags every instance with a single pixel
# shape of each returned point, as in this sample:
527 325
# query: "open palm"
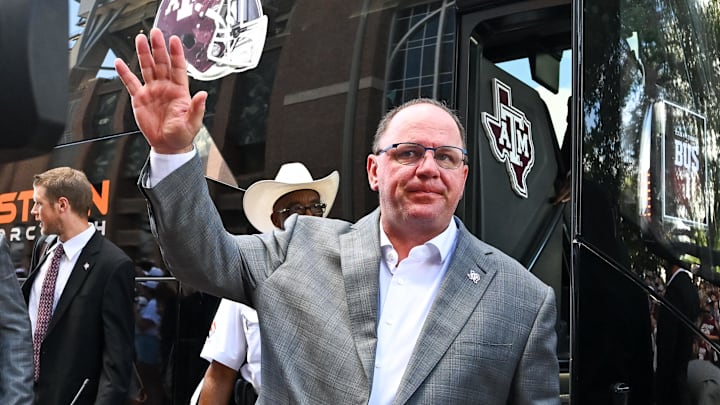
165 113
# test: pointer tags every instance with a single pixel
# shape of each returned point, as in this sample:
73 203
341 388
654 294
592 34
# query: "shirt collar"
442 243
678 271
74 245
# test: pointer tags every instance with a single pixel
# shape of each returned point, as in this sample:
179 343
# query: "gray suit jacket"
16 355
315 286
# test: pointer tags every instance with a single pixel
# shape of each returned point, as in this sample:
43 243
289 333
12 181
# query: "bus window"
557 103
648 146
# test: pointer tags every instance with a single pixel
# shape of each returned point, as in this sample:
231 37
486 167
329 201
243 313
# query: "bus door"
516 110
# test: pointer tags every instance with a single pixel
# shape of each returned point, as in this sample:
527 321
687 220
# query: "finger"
127 77
177 62
160 54
147 64
197 109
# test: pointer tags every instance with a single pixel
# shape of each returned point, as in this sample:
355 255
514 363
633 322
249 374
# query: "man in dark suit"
83 330
403 306
675 340
16 367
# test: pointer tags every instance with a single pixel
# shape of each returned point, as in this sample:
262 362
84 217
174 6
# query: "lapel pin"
86 266
473 276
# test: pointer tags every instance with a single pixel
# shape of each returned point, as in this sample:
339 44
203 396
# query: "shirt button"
401 281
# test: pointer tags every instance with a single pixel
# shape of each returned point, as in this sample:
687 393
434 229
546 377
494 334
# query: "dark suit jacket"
91 333
675 341
488 339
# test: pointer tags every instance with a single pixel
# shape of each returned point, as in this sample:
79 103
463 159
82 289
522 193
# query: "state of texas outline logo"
509 133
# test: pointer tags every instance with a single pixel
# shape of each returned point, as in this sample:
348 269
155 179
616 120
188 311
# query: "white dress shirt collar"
441 244
678 271
74 245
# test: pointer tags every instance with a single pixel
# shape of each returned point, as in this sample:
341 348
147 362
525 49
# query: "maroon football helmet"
219 37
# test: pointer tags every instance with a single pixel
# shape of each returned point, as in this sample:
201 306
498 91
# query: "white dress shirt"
72 247
407 292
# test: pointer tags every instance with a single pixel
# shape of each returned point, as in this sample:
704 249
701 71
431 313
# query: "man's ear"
372 172
63 204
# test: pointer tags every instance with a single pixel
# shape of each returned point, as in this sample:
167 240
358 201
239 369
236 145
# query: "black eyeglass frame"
464 160
319 206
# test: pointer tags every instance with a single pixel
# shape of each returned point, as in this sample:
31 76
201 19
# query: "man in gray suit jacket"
16 361
404 306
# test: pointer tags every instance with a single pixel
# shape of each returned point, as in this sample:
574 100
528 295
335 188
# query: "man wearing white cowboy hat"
233 343
268 203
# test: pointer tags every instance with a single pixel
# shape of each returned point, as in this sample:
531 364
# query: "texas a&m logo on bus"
509 133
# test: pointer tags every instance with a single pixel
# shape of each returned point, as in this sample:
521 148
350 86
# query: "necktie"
45 306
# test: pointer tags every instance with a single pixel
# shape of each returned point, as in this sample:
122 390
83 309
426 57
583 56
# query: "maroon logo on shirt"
510 137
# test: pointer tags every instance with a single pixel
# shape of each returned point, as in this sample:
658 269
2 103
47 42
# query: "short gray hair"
385 121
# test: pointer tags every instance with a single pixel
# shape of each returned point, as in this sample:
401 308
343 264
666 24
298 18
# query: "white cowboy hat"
260 197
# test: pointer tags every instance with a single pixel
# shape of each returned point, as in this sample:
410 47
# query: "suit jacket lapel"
77 277
456 301
41 251
360 258
27 284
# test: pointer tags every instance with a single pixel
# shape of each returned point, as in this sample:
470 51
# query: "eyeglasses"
408 153
316 209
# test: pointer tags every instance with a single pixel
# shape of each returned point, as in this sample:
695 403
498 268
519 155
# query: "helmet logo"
219 37
509 134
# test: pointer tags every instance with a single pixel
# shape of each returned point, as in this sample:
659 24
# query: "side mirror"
545 69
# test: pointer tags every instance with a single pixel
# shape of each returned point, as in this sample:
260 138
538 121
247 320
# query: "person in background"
404 305
674 340
16 356
709 327
233 343
148 321
80 298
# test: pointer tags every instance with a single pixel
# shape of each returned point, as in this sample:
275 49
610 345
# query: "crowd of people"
707 319
709 322
686 364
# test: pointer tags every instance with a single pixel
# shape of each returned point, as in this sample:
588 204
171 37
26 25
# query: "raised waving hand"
164 111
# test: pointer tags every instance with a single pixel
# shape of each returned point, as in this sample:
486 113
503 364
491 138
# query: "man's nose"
428 161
